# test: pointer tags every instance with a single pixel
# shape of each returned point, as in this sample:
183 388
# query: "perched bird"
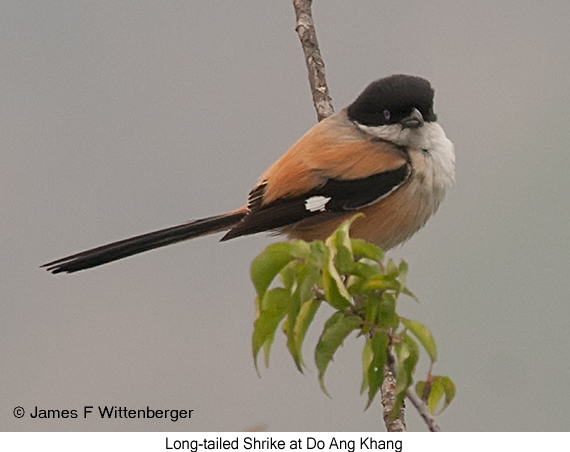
384 155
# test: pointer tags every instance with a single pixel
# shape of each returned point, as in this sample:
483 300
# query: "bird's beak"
413 120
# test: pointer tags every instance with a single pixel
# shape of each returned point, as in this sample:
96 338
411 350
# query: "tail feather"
135 245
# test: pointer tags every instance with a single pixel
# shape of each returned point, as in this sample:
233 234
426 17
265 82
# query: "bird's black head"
403 99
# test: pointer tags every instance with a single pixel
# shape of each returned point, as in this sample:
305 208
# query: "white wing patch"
316 203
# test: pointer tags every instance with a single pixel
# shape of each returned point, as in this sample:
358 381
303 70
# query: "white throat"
429 139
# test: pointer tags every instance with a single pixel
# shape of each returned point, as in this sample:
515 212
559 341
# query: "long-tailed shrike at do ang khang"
384 155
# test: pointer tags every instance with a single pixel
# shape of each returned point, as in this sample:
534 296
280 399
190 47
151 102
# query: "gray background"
117 118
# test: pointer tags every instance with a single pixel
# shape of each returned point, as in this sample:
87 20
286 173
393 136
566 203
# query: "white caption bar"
265 441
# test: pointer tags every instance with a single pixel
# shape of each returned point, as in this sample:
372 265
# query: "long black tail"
128 247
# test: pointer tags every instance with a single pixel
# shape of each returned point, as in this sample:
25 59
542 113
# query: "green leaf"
424 336
336 329
341 237
354 284
421 390
364 249
367 356
382 282
372 309
432 392
300 249
403 269
344 261
317 250
392 268
435 395
309 279
273 259
304 319
363 270
407 356
338 252
268 264
305 278
388 318
448 388
338 260
274 307
410 294
335 292
289 329
402 272
376 369
341 247
288 274
381 310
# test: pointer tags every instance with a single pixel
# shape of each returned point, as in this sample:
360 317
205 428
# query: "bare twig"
305 28
423 410
397 424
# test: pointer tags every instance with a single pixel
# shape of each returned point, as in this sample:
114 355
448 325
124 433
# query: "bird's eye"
387 114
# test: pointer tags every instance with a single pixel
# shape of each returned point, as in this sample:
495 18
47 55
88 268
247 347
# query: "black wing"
333 197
